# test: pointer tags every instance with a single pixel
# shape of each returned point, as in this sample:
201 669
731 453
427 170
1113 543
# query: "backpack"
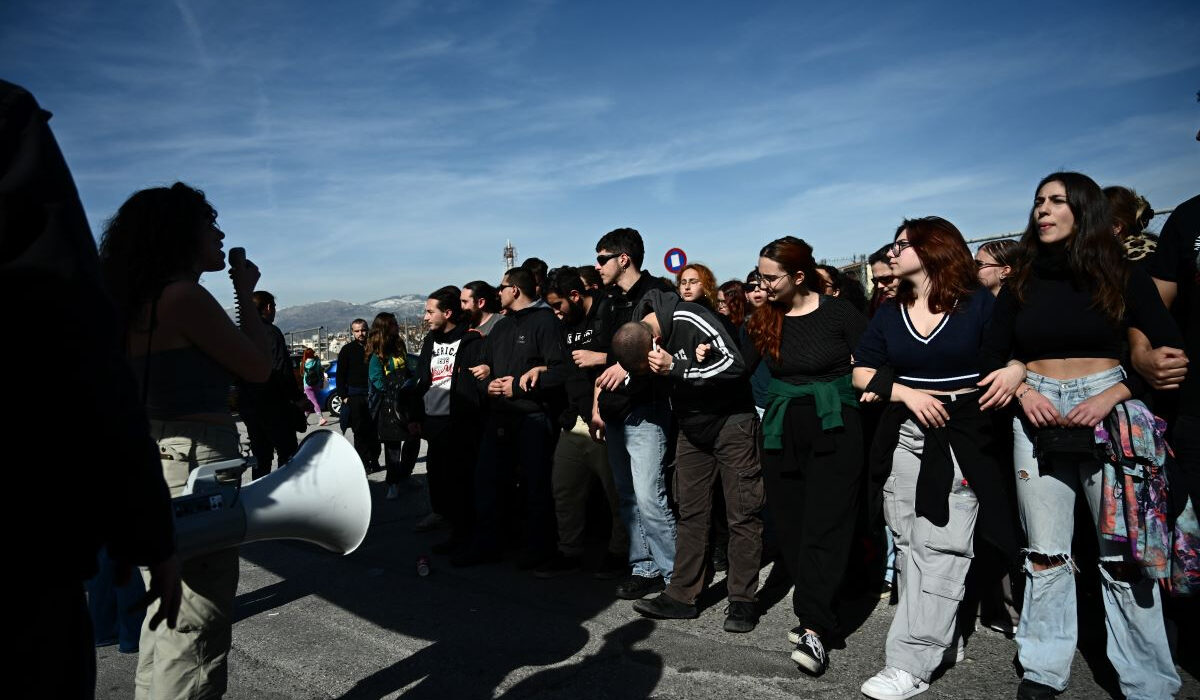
314 376
389 405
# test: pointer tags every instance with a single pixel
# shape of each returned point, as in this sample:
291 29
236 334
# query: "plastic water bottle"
423 565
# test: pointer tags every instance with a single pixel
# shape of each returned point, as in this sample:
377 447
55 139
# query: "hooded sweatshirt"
531 337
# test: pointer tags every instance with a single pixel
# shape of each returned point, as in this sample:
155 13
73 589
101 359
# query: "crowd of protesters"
926 442
939 428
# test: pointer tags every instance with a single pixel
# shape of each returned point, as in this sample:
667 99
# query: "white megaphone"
320 496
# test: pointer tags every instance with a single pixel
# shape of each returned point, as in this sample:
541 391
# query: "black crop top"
1058 320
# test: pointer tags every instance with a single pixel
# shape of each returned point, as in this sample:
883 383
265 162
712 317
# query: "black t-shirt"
815 347
1176 261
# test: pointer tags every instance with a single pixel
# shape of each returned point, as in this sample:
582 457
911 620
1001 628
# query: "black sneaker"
636 587
560 565
664 607
1032 690
810 654
720 559
613 566
740 616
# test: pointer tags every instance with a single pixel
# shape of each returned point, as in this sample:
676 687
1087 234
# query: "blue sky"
359 150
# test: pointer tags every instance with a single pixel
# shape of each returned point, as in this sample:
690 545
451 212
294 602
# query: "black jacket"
974 437
702 394
424 377
352 368
528 338
639 390
593 332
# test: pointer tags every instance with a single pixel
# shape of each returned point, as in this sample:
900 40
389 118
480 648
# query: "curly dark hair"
735 301
152 238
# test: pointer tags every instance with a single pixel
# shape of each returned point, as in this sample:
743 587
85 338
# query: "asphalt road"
310 624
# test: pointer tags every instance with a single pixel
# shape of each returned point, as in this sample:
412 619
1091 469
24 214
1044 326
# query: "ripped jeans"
1048 631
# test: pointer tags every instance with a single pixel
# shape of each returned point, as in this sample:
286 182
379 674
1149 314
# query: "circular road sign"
675 260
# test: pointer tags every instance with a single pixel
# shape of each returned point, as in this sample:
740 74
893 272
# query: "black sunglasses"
885 279
602 260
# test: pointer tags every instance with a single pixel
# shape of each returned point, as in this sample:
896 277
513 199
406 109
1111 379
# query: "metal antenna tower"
510 256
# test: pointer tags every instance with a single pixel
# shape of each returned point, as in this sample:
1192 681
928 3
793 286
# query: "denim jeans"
1048 631
637 448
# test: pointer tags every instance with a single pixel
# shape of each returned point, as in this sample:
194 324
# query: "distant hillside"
336 315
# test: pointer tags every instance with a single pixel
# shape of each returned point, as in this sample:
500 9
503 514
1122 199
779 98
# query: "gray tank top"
182 382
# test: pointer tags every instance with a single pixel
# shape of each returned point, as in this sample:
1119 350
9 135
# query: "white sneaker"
893 684
393 492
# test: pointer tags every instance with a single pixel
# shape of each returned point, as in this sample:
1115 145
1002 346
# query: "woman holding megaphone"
185 352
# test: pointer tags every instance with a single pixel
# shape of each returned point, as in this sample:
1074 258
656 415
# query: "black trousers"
270 430
400 458
516 448
812 487
366 441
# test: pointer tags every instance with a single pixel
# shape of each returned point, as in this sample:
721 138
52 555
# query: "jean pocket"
957 536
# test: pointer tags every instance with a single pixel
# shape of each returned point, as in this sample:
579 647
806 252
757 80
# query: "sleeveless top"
182 381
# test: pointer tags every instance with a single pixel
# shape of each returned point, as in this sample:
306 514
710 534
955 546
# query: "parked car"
327 395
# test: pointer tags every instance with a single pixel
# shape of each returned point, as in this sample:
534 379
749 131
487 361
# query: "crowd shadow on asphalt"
481 624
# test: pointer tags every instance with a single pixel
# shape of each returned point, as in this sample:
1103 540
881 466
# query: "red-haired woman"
314 378
922 354
731 302
812 434
697 284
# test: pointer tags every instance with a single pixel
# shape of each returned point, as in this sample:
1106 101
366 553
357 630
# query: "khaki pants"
576 459
190 661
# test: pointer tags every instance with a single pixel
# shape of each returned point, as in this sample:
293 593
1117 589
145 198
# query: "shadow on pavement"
481 624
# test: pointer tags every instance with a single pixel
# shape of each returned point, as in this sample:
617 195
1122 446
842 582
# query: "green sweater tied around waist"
829 398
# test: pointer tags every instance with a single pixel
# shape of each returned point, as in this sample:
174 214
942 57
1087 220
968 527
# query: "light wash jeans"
931 561
637 449
1048 631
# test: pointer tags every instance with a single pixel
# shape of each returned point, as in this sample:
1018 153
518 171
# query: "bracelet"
1022 394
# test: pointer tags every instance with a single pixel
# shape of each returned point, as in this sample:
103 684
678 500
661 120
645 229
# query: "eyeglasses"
981 265
602 260
768 280
884 280
898 248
